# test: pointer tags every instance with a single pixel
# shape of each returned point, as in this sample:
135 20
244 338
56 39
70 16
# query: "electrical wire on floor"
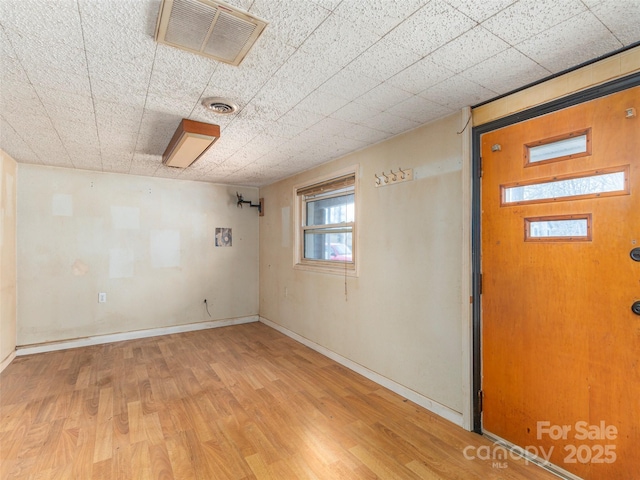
206 305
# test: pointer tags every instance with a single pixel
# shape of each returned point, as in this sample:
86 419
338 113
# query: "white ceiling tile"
135 76
12 72
336 41
17 97
276 98
37 54
265 58
468 49
355 112
383 96
15 146
50 22
349 84
457 92
322 102
383 60
300 118
60 114
393 124
110 41
480 11
328 4
79 149
430 27
79 133
526 18
305 69
6 48
167 172
491 73
117 93
50 96
622 17
177 106
176 61
419 110
26 123
118 116
293 22
375 15
420 75
200 114
135 15
570 43
156 124
74 54
182 77
60 80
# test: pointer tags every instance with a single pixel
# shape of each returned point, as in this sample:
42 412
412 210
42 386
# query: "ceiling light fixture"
219 105
189 142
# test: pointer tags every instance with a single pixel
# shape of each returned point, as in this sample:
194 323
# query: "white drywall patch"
120 263
286 234
165 248
62 205
198 223
127 218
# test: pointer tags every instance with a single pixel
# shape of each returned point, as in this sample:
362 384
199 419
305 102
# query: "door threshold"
530 457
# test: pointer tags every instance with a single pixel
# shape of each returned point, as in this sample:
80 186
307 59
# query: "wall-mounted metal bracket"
259 205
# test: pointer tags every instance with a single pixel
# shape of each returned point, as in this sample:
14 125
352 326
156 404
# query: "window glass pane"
602 183
332 210
329 244
561 148
558 228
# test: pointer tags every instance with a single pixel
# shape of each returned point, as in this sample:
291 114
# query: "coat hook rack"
393 177
259 205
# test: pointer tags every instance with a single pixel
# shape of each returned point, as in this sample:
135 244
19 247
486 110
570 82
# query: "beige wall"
147 242
401 317
7 256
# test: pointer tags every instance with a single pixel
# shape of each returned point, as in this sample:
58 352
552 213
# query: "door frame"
586 95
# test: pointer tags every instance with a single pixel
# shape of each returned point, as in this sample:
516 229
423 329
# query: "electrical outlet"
102 297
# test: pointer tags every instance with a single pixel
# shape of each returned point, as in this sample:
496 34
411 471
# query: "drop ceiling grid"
326 78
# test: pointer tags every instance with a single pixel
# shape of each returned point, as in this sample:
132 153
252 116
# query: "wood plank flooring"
240 402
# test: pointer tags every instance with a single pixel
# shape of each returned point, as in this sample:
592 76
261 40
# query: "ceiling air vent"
208 28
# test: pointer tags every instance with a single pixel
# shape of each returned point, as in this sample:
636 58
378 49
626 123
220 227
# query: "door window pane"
589 185
561 148
565 228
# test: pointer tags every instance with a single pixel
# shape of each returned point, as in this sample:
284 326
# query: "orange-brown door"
560 339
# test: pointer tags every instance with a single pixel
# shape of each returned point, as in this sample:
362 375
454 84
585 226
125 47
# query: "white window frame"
325 266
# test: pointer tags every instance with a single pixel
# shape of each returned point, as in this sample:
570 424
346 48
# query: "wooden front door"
560 339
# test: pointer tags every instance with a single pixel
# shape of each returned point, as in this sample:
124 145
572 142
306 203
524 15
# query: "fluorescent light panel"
189 142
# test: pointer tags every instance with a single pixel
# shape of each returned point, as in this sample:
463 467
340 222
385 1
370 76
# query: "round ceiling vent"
219 105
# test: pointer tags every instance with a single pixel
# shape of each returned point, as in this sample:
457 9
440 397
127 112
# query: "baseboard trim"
5 363
133 335
425 402
530 457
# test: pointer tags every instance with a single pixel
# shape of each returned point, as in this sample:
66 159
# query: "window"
325 239
561 228
599 183
563 147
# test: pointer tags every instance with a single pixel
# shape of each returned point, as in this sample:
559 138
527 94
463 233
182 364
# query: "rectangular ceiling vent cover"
212 29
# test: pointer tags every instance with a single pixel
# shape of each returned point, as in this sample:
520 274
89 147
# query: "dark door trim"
608 88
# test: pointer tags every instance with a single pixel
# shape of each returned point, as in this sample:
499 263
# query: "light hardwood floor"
240 402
